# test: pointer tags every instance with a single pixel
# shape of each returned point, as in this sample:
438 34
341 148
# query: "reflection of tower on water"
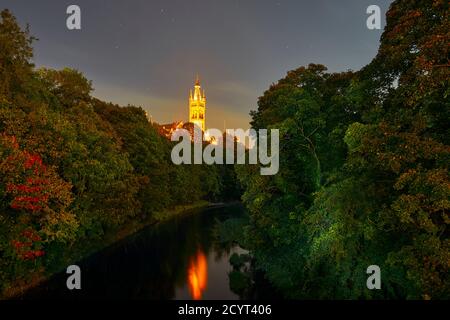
197 274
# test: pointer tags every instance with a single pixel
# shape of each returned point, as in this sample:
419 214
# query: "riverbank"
83 249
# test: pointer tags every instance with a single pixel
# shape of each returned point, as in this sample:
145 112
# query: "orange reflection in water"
197 275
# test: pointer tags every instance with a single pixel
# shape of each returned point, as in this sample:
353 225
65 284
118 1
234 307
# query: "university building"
197 113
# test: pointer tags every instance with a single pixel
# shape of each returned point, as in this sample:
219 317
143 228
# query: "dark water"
180 259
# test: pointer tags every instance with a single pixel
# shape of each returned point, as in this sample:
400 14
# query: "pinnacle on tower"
197 81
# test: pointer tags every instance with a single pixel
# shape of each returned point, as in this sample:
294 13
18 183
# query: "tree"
15 55
384 197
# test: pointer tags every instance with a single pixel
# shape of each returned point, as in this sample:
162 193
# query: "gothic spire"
197 81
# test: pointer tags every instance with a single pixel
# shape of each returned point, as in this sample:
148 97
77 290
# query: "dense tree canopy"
364 173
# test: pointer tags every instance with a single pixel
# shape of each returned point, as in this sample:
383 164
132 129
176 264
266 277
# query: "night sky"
148 52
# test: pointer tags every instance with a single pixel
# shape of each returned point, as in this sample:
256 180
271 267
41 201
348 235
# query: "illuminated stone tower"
197 106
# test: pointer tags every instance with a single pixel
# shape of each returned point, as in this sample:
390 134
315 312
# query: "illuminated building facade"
197 106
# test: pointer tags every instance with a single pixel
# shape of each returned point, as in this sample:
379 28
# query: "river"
178 259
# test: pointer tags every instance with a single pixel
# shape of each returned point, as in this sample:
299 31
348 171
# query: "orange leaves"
29 182
36 194
406 22
14 143
31 234
405 178
27 248
34 161
398 148
30 195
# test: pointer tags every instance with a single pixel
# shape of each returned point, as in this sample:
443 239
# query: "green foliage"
230 231
239 260
239 282
15 55
364 175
